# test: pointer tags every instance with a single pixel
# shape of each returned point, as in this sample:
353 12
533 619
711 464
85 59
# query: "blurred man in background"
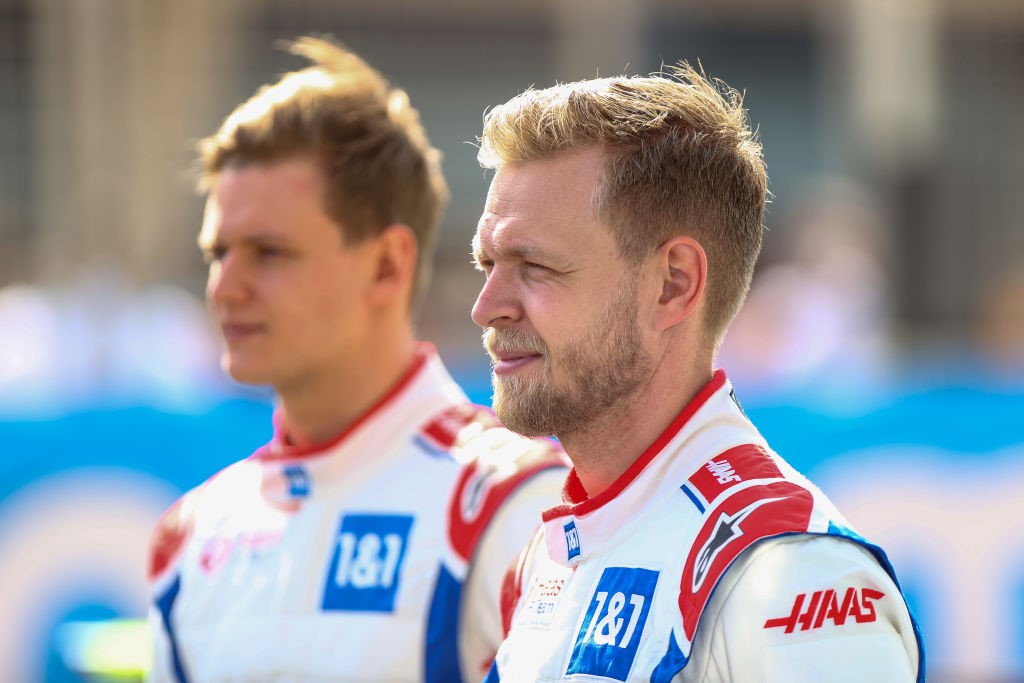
618 241
367 541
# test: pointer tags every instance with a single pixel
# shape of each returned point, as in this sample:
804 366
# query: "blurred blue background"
881 349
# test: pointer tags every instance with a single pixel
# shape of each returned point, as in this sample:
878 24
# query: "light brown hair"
364 134
681 159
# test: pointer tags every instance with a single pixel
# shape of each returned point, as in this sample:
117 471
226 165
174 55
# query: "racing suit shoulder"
805 608
177 524
495 464
169 536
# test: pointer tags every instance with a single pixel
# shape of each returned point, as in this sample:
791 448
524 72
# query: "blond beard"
605 366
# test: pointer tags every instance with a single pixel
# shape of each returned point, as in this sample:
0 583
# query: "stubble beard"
604 367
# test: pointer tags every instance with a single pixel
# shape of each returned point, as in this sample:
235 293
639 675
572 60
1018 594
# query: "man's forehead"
542 207
532 186
261 197
501 230
211 223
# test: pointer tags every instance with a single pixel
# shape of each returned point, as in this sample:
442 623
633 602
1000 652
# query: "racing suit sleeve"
805 609
161 669
511 528
166 545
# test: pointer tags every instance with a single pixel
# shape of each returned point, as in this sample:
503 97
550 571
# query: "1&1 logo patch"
614 624
572 540
366 565
299 483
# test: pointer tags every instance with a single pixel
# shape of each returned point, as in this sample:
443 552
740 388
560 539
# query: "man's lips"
236 331
511 361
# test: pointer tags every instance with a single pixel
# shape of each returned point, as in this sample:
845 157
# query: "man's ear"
394 267
683 274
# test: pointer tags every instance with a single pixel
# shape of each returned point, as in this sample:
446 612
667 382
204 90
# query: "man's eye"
535 267
266 252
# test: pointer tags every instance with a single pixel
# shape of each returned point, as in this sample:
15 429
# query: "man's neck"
604 449
318 408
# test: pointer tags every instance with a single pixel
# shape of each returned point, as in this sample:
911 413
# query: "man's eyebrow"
476 250
248 240
525 252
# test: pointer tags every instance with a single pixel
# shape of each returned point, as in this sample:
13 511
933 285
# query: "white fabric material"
732 643
325 567
611 588
498 547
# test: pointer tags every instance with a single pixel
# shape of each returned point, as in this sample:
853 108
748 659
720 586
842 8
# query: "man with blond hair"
618 241
368 540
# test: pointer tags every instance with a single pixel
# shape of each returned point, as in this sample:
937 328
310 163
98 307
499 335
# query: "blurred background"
881 350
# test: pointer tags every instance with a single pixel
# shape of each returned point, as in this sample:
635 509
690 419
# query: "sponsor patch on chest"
538 608
254 549
365 568
613 626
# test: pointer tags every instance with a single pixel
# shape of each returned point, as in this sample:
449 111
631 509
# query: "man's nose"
226 283
498 300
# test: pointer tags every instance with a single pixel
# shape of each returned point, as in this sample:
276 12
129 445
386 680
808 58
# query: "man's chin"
245 373
519 414
520 426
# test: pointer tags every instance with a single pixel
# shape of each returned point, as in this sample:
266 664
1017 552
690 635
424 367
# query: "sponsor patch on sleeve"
736 465
828 607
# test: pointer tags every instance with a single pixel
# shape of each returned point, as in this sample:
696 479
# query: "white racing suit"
709 560
376 557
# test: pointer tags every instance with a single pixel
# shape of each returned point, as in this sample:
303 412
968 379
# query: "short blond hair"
681 159
379 166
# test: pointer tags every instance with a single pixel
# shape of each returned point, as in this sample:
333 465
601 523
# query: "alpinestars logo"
474 494
727 529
